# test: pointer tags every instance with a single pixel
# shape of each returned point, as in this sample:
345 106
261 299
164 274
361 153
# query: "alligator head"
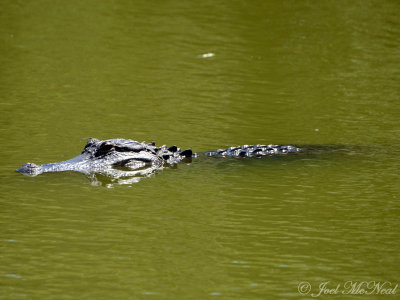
115 158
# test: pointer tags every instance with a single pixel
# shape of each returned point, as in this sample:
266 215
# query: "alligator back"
253 151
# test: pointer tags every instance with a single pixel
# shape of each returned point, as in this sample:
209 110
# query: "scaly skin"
118 158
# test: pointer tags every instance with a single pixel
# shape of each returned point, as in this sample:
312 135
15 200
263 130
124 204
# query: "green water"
296 72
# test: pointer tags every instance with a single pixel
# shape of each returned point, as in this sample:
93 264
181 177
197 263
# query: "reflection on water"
123 176
204 76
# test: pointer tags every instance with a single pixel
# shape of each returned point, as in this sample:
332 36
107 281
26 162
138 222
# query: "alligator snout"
30 169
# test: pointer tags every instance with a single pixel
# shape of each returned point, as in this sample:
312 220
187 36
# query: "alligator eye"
104 148
91 142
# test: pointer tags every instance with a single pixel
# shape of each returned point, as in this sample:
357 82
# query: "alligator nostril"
30 169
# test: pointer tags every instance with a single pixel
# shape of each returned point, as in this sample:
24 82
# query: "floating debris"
207 55
13 275
149 293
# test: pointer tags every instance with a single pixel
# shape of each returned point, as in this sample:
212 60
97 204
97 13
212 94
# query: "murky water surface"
204 75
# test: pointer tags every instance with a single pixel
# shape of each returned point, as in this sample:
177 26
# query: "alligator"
121 158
